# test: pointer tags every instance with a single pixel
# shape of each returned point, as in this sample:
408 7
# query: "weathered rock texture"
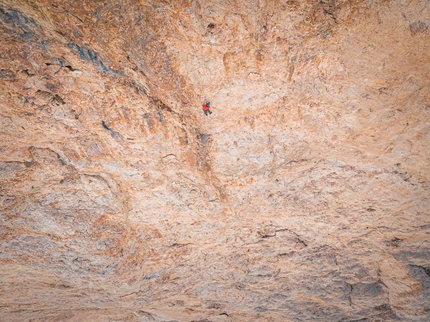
303 197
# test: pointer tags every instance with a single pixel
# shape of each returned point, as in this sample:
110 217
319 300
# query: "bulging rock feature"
304 196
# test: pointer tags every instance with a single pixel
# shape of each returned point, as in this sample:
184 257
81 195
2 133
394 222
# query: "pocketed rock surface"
304 196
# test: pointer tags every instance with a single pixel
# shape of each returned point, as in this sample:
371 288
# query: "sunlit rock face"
304 196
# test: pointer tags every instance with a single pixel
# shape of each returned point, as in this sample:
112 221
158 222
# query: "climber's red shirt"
205 107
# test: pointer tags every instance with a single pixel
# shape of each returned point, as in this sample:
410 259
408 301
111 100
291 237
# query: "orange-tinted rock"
304 196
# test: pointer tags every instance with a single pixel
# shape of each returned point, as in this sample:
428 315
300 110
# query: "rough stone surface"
303 197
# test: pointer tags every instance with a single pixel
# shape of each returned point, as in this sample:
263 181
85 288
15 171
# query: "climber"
206 108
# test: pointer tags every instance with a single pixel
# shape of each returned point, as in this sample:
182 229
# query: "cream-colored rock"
304 196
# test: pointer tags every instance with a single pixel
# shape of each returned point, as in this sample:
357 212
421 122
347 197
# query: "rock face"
303 197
